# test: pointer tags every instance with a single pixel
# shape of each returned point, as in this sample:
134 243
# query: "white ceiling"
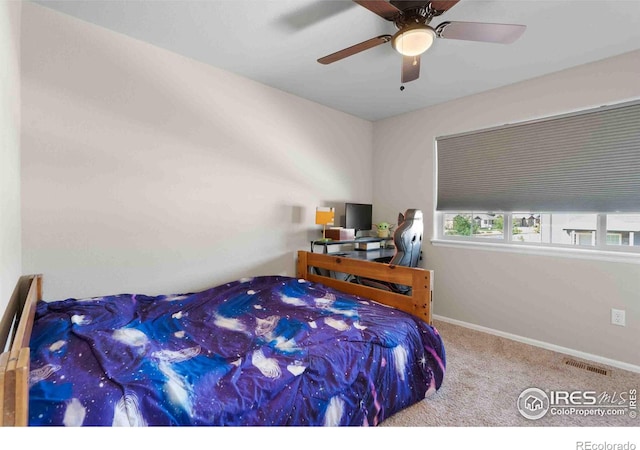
277 42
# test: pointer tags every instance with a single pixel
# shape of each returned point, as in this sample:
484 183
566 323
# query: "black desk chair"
408 242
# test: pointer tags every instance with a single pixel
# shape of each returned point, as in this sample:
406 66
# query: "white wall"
561 301
144 171
10 253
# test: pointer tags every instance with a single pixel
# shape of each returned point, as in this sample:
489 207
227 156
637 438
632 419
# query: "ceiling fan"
415 36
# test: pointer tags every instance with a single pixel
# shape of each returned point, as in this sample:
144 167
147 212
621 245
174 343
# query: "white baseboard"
541 344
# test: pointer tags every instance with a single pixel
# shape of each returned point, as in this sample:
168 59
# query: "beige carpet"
486 374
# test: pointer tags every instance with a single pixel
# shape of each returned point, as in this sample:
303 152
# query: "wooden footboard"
15 328
417 303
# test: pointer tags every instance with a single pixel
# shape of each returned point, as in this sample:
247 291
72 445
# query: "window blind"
580 162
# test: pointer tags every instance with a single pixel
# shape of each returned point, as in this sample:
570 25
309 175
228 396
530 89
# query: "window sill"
555 251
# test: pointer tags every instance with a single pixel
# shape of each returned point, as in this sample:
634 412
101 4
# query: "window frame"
600 251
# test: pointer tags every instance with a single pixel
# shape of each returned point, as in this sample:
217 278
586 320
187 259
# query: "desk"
327 244
369 255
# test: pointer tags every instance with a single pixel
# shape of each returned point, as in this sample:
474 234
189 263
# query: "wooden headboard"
15 329
17 321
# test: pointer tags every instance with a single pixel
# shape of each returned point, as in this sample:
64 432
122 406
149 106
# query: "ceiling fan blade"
362 46
314 13
404 5
438 6
380 7
410 68
442 6
500 33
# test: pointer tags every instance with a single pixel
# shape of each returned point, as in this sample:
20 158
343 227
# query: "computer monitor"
358 216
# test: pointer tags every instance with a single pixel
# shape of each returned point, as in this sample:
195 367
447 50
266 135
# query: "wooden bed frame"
15 327
17 321
418 302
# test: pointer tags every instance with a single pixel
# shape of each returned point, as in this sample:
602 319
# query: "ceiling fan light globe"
413 40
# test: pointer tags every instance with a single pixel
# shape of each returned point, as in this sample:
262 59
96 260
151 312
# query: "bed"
309 350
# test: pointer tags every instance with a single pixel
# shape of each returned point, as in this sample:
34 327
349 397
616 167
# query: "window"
481 225
614 238
528 227
604 232
528 184
623 230
574 229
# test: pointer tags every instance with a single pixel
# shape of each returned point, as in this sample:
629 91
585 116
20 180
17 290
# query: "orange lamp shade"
325 215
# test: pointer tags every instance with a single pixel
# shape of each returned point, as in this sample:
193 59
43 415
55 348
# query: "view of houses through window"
597 231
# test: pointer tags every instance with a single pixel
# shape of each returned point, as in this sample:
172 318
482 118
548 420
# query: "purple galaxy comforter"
268 350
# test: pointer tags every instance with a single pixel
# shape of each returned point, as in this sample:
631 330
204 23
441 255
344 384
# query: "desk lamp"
324 217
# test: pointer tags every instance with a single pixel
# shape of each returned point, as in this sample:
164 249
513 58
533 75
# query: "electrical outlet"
617 317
